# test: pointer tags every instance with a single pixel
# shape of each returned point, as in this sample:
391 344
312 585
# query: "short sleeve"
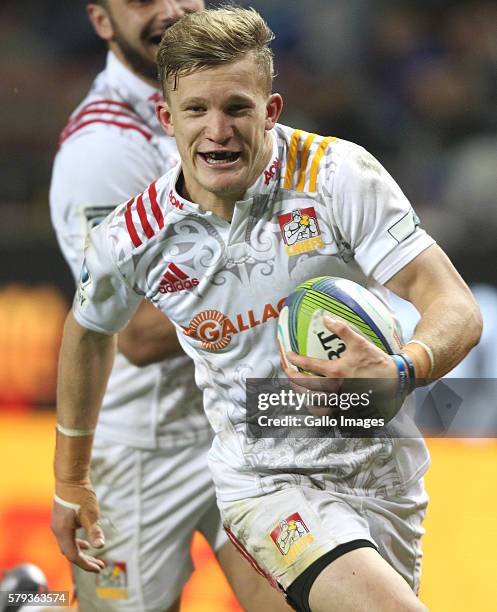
104 302
375 218
92 173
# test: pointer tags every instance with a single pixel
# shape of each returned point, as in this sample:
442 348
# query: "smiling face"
221 118
134 28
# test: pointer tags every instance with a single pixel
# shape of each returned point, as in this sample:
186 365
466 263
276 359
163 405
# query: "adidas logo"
175 280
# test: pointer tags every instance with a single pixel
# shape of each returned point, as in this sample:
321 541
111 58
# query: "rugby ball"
301 327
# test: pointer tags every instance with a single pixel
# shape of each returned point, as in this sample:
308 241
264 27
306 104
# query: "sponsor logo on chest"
215 330
300 231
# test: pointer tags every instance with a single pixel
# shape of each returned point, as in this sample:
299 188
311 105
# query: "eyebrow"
199 101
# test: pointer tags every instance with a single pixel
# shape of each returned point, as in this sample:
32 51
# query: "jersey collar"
269 177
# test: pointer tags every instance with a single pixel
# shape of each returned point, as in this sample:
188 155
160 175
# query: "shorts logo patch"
112 581
300 231
291 536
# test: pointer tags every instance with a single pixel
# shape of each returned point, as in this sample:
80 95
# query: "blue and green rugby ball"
301 328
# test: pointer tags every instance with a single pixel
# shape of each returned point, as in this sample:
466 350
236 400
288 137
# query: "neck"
120 56
222 207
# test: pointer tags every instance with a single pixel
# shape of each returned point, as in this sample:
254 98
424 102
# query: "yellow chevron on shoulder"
292 159
315 161
299 150
306 149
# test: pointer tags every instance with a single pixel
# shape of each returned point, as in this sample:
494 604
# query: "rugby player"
149 463
335 523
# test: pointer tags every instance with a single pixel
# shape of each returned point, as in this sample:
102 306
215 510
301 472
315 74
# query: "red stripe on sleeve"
149 232
130 225
109 102
125 126
100 111
152 194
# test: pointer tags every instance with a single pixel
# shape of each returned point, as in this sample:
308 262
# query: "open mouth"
221 157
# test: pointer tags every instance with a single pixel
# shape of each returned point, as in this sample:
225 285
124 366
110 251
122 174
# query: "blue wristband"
403 388
411 370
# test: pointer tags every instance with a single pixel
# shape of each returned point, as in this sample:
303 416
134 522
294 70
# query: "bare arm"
149 337
450 323
86 359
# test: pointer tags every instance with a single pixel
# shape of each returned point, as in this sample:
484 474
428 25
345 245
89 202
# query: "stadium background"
413 82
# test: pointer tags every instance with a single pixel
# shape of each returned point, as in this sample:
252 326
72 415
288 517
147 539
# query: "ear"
100 21
164 117
274 106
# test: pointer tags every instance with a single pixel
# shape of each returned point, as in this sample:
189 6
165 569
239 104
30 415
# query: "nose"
219 129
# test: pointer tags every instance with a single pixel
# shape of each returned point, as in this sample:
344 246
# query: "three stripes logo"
305 153
175 280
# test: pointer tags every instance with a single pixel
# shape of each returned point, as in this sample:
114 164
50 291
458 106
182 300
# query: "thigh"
396 525
361 581
285 532
151 502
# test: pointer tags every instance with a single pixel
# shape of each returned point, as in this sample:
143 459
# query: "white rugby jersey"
111 148
322 206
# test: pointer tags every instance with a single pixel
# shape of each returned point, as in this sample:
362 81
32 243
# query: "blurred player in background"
149 459
312 514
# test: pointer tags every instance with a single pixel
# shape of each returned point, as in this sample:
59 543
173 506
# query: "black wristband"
411 369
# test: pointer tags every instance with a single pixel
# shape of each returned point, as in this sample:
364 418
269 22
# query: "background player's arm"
149 337
86 359
450 323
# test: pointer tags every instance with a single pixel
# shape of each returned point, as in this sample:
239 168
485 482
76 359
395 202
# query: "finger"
96 535
89 563
293 376
342 329
322 367
302 382
82 544
90 521
283 360
67 543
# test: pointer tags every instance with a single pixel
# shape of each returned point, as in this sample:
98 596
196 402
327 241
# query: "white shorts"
151 502
284 532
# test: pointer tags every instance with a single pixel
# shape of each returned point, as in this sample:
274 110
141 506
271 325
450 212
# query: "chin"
226 188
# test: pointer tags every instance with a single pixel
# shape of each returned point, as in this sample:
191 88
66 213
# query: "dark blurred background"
414 82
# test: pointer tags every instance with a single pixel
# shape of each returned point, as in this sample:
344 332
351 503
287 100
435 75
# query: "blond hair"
213 37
